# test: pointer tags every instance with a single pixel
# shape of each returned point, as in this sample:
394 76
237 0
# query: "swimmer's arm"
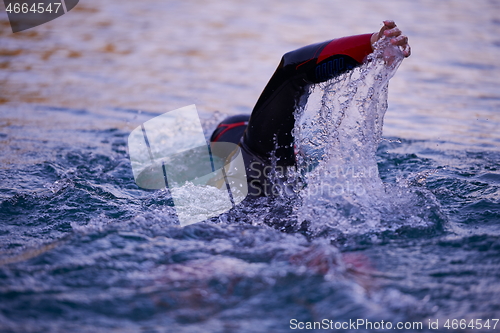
272 120
390 30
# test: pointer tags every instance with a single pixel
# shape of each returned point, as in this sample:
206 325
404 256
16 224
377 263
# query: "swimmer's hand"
390 30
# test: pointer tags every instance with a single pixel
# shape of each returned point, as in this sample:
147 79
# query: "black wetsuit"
267 131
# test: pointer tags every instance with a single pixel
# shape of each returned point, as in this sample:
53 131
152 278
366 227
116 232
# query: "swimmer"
267 132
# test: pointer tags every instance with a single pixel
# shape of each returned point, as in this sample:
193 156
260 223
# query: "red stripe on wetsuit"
228 127
356 47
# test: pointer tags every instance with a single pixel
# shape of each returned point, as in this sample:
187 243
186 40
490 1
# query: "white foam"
337 133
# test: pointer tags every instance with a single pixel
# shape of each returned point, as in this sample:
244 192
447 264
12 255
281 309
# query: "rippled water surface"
82 248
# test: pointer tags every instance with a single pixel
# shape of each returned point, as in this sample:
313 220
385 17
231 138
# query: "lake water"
83 249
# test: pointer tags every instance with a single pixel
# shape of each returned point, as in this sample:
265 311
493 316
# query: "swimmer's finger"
401 40
389 24
394 32
407 51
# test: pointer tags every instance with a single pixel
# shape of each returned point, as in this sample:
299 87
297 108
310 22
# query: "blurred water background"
83 249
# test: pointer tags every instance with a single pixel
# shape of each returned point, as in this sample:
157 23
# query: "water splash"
337 134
